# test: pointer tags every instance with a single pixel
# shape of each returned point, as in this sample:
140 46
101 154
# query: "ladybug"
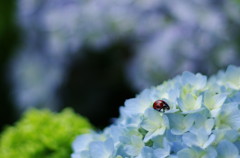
160 105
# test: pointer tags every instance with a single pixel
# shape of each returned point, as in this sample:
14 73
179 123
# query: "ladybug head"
166 106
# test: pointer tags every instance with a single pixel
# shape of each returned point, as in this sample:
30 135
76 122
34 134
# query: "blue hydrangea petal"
161 153
197 153
227 149
147 152
135 146
202 123
229 117
214 102
232 77
200 139
186 153
155 123
82 142
139 104
180 124
99 149
227 134
190 104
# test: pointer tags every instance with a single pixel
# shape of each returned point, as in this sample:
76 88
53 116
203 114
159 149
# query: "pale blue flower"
197 81
133 145
235 98
115 132
175 142
99 149
199 138
229 117
179 123
197 153
203 122
82 143
131 141
160 149
154 123
161 146
214 101
227 149
232 77
147 152
139 104
225 134
190 103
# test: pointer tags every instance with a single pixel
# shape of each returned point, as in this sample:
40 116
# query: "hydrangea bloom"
42 133
203 121
35 81
192 32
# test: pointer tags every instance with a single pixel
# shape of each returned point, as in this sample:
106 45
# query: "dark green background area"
8 42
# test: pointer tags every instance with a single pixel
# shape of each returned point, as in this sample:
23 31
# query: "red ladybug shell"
160 105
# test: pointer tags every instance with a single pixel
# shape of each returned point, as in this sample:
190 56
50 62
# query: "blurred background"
93 55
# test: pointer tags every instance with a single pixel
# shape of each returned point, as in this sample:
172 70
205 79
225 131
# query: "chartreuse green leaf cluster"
203 121
42 134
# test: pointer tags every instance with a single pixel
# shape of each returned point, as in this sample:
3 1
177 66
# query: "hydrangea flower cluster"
203 23
42 133
203 121
35 81
67 24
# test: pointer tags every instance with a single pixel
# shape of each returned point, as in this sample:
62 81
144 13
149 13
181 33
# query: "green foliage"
42 134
